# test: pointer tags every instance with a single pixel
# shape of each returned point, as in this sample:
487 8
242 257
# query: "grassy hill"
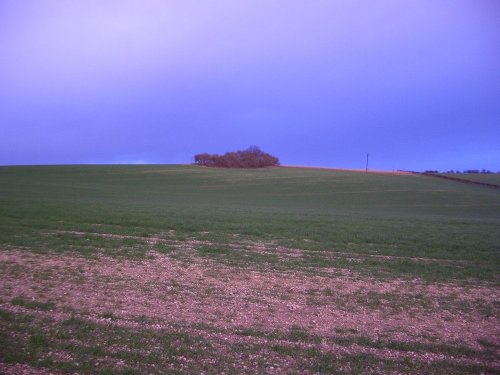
330 212
182 269
488 178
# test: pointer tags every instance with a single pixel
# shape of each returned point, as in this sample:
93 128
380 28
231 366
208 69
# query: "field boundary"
462 180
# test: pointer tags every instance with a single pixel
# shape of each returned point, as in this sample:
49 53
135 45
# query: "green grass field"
329 212
304 270
489 178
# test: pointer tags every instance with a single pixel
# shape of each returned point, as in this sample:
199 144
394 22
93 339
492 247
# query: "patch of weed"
32 304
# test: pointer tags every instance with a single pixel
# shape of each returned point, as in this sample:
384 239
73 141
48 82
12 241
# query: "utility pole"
367 155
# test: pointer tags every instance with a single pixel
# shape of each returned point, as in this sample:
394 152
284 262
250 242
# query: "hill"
488 178
299 268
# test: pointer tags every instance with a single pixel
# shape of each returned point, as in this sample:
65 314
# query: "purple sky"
414 83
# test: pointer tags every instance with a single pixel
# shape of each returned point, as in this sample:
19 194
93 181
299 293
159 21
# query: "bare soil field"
253 321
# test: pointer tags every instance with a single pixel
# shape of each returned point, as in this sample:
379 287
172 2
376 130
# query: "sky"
416 84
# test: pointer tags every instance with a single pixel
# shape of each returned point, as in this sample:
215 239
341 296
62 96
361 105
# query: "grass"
489 178
277 221
83 346
32 304
89 346
329 212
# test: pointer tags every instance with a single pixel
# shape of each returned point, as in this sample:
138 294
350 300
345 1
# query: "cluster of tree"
253 157
485 171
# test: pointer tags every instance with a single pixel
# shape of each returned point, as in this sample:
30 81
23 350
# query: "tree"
253 157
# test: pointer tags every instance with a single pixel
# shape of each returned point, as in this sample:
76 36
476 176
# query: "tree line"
466 171
252 157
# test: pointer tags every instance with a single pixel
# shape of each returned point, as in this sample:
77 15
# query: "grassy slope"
489 178
341 220
325 211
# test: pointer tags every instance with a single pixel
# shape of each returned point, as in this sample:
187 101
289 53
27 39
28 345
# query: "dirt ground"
231 300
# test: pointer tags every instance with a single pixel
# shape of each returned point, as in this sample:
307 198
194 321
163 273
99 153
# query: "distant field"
144 269
489 178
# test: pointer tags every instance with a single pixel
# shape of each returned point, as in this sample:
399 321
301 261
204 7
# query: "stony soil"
219 302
